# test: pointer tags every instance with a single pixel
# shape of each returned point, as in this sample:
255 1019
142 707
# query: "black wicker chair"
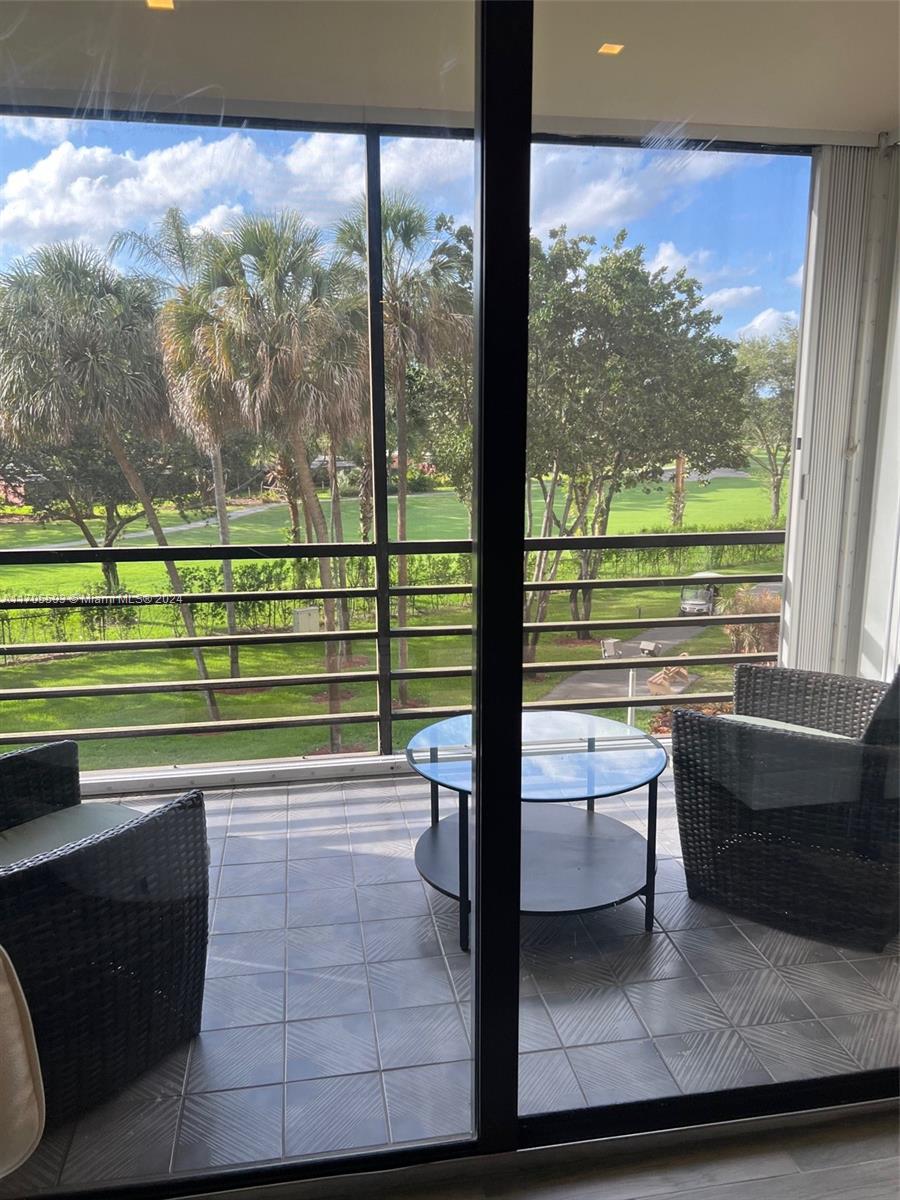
107 933
794 826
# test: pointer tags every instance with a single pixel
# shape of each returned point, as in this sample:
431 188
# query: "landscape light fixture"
606 48
167 4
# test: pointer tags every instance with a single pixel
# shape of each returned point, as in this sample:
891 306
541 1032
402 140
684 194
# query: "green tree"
440 406
426 299
82 483
287 349
203 403
78 354
626 372
769 365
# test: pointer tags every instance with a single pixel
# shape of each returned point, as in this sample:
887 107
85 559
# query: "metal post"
465 904
650 890
378 439
435 804
503 165
592 746
632 690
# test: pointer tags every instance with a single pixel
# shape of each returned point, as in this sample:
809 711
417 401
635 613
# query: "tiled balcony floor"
337 1000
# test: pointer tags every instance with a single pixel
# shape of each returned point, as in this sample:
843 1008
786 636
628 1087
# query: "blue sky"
736 221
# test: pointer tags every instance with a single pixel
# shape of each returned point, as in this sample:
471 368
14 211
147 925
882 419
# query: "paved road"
582 685
602 684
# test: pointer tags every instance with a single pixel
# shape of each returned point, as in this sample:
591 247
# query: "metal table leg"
650 892
464 903
592 746
435 807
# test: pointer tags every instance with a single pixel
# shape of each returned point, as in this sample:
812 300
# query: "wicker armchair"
107 933
794 826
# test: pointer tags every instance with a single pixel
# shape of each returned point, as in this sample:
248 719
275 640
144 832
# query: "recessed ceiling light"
606 48
168 4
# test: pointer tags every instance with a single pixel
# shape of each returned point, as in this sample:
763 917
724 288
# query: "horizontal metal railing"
128 599
384 673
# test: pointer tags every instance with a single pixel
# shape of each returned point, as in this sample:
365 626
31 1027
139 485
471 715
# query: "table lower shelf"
572 860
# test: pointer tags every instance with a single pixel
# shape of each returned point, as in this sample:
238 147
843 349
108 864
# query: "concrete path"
583 685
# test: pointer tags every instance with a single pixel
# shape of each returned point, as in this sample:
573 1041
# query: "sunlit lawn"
727 502
439 515
170 665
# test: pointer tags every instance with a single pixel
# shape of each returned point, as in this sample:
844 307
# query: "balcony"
254 274
336 1012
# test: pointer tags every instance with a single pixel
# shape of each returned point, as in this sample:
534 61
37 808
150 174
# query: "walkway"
135 534
585 685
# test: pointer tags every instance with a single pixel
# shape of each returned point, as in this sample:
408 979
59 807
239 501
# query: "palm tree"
287 349
205 408
427 313
337 407
78 354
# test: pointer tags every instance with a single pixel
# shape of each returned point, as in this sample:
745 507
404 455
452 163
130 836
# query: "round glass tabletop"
565 755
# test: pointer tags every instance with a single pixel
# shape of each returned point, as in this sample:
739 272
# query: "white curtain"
843 335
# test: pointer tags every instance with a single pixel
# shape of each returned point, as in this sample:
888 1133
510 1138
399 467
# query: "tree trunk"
287 477
777 484
315 519
678 499
402 561
218 474
337 535
541 599
110 569
136 484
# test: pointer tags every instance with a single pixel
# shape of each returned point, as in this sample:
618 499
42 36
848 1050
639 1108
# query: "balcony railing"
382 632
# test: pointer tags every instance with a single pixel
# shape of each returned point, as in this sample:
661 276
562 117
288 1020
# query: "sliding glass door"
689 928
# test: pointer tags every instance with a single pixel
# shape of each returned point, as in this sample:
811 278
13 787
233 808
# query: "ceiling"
758 70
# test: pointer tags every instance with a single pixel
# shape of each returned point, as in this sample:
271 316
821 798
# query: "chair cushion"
21 1086
784 726
884 727
60 828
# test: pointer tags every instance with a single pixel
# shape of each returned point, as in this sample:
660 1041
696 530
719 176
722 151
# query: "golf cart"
699 599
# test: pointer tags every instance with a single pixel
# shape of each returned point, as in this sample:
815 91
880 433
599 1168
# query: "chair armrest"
37 781
775 769
836 703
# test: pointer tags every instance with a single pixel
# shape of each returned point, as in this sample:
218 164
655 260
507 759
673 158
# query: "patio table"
574 859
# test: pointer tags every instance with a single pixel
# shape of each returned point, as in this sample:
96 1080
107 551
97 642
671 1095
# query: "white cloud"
587 190
767 323
218 218
796 280
669 258
91 192
322 174
76 191
48 130
416 163
732 297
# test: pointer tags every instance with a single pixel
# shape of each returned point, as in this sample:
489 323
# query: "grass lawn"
157 708
439 515
434 515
